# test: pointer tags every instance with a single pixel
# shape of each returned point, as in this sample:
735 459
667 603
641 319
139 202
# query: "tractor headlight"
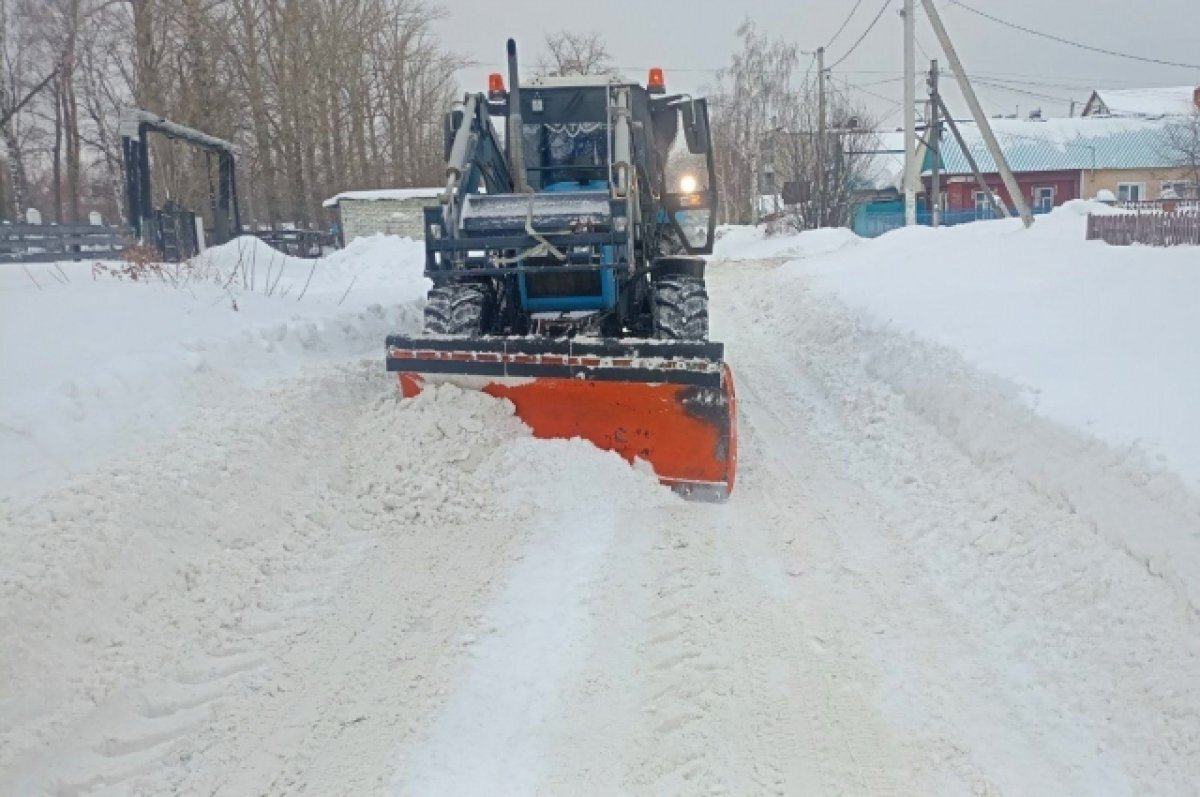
687 184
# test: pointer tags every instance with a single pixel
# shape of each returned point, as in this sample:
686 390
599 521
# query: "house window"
1182 188
1131 192
1043 199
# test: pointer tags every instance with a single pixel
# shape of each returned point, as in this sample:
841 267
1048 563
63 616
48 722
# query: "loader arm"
476 159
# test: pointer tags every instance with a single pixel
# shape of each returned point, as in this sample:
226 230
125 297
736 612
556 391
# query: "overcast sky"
692 38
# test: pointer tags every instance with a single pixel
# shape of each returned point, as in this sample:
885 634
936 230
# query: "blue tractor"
570 253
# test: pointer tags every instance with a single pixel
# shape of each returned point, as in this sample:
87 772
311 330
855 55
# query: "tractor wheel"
680 308
457 310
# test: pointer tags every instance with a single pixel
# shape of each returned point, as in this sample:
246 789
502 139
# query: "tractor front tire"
680 308
457 310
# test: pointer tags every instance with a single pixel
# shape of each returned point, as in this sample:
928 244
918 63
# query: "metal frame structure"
135 126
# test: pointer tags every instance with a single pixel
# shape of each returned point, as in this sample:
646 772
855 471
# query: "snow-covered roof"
1067 144
1168 101
131 119
395 194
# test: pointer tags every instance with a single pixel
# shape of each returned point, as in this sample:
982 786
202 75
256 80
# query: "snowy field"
92 360
962 557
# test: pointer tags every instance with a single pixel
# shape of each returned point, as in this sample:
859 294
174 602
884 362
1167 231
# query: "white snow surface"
752 243
1097 338
1165 101
88 360
925 583
1094 336
376 194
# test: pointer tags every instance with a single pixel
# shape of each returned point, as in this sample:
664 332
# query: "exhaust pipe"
515 132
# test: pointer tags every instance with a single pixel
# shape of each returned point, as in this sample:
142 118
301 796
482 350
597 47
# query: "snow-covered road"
316 588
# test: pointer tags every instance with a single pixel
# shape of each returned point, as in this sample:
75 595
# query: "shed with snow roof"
393 211
1153 102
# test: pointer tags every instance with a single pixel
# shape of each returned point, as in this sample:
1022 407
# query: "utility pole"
1001 209
821 166
910 115
985 127
934 134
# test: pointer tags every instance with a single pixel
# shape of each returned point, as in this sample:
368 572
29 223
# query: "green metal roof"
1065 145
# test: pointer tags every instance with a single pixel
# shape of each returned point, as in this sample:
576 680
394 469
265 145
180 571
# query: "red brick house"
1057 160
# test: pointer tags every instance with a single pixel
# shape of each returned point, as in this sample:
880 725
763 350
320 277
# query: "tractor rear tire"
457 310
680 309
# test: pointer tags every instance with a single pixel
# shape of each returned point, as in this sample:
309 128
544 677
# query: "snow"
752 243
373 195
1167 101
1096 338
264 572
88 360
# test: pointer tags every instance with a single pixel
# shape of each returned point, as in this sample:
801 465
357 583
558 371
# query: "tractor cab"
592 133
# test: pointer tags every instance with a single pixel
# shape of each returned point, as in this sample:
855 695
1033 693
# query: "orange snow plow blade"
670 404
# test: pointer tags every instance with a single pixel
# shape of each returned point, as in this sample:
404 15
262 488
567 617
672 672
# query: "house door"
1043 199
983 206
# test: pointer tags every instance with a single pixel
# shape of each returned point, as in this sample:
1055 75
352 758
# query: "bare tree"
320 95
766 135
25 75
1183 137
750 102
817 181
569 53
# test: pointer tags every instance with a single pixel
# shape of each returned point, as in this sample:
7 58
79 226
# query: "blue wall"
872 219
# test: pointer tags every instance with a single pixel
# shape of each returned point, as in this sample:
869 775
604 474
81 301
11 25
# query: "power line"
1069 42
870 93
1034 94
866 32
921 47
845 22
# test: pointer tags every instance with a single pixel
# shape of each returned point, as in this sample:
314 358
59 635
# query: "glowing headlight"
687 184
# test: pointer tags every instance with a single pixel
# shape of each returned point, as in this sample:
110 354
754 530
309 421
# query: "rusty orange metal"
687 433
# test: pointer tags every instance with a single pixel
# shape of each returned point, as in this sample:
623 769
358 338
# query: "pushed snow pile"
90 361
753 243
484 452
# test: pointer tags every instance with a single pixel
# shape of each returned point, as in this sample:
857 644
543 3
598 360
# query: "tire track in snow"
291 617
1000 616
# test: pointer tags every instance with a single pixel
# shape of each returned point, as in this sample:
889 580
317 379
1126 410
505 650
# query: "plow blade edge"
670 404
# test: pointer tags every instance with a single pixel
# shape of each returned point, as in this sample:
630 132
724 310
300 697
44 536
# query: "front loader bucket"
671 404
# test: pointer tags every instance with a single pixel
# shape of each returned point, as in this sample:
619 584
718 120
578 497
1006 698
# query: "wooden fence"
44 243
1156 228
298 243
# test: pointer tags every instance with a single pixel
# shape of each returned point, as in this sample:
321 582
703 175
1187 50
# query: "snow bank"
1069 363
89 361
753 243
1101 338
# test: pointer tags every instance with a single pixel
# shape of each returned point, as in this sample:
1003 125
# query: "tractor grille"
570 283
